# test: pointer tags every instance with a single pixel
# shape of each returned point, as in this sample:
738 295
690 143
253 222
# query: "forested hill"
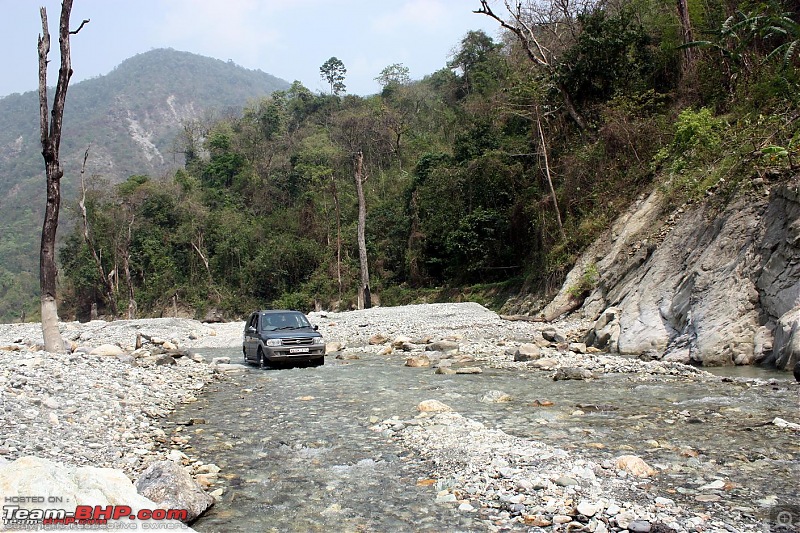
129 120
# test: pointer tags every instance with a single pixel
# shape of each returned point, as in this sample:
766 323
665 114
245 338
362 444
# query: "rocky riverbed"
103 404
559 470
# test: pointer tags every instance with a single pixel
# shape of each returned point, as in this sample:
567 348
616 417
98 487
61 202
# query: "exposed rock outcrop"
697 285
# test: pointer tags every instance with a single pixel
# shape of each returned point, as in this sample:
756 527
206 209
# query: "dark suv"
281 336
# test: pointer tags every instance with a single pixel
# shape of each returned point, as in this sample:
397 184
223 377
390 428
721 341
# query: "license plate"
298 350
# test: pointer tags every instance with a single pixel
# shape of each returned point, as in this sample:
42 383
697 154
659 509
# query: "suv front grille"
297 341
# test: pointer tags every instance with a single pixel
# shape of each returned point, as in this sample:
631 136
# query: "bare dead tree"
549 178
364 297
51 142
543 34
126 266
335 194
197 248
104 278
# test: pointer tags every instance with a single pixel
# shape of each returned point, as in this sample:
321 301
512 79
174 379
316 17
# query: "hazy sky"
289 39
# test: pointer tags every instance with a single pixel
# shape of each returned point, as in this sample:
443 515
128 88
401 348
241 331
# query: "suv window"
274 321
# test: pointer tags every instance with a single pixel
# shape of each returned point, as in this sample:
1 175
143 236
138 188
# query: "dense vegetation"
148 98
459 165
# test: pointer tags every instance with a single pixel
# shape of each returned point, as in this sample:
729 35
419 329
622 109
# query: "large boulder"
72 486
527 352
605 332
786 340
107 350
444 346
172 487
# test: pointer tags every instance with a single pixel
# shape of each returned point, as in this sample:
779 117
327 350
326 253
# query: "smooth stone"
418 361
565 481
433 406
635 466
107 350
639 526
708 497
496 396
446 498
589 509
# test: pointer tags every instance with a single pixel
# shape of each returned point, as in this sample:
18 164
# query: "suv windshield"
275 321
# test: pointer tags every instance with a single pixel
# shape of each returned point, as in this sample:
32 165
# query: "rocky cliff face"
698 285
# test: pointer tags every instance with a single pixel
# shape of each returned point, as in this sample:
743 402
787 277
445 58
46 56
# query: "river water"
297 452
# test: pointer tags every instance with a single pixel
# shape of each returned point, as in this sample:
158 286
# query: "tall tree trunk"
686 33
549 178
51 143
364 298
338 235
104 279
126 267
572 111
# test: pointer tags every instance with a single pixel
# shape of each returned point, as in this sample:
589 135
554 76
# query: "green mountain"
129 120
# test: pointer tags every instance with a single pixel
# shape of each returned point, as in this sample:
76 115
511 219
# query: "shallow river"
297 452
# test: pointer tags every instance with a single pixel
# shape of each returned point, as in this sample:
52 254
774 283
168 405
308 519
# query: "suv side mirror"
316 327
251 329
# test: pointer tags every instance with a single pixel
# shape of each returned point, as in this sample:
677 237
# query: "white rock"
73 486
433 406
781 423
714 485
587 508
107 350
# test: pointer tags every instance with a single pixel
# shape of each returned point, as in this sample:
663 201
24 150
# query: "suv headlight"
273 342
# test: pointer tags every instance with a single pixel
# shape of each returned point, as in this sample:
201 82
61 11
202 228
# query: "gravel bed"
105 411
531 486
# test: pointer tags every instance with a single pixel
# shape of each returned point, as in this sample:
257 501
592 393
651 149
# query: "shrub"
587 283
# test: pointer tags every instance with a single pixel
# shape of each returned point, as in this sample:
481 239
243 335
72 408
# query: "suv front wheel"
262 361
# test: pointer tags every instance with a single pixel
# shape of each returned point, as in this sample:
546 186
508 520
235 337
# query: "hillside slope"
128 119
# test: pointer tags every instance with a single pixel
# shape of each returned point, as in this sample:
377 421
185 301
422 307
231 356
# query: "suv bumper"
280 354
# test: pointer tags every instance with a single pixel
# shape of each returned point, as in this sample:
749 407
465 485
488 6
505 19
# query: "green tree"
333 72
393 75
479 63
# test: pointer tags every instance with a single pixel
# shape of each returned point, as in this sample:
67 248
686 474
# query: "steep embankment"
700 284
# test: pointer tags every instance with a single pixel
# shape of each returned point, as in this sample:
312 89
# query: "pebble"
565 481
446 497
588 509
433 406
639 526
496 396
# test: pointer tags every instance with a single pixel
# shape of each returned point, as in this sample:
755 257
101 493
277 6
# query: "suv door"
251 337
